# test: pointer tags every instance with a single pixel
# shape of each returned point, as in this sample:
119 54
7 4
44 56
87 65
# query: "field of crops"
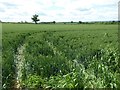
60 56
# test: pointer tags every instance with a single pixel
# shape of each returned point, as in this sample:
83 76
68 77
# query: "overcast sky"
59 10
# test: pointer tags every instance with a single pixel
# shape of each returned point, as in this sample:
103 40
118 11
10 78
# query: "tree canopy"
35 18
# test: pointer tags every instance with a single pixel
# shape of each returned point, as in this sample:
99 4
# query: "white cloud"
59 10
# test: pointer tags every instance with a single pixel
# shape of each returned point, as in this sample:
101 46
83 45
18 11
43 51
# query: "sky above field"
58 10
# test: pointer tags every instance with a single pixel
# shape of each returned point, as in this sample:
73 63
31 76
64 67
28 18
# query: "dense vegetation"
62 56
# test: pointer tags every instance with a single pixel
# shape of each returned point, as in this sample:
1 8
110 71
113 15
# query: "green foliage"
73 62
35 18
33 81
10 43
69 56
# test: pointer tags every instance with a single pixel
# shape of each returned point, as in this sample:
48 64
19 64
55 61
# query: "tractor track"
19 62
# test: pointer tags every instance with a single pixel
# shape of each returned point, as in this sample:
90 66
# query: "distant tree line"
48 22
35 19
79 22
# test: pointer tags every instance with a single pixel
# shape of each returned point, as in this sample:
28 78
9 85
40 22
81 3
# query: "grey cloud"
9 5
83 9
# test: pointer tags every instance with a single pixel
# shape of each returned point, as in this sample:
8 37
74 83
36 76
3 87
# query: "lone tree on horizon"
54 22
71 21
35 18
80 22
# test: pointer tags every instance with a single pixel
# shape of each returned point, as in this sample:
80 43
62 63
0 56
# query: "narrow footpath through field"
19 61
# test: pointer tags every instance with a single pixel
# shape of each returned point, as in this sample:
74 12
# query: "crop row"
10 43
71 60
